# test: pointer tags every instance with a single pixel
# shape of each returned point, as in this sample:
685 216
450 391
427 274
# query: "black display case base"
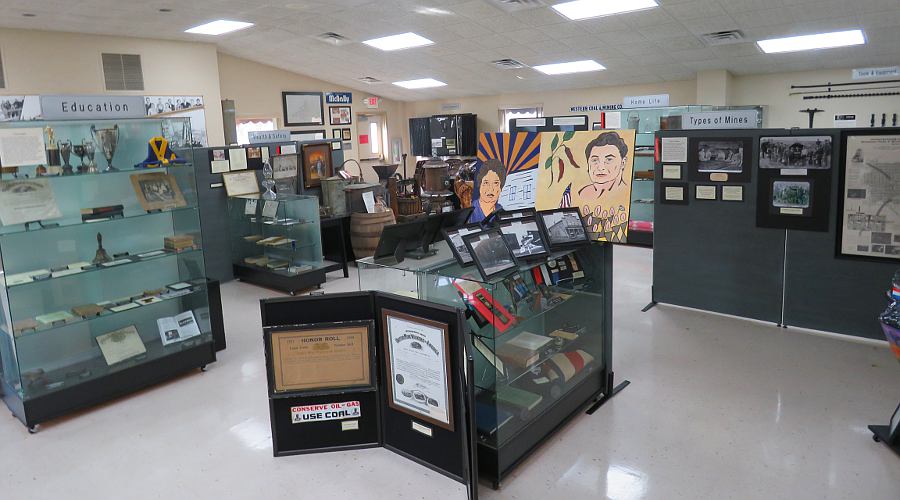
881 434
287 284
55 404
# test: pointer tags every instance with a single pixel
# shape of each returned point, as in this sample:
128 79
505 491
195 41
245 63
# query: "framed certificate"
240 183
417 359
321 356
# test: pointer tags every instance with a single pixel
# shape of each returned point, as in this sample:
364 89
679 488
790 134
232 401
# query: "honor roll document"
418 367
871 219
27 200
320 358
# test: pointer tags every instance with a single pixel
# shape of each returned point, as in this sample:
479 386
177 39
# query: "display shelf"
545 361
64 319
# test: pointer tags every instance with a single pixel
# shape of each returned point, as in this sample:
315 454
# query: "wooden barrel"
365 231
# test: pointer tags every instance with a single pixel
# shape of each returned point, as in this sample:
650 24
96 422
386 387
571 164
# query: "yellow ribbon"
160 151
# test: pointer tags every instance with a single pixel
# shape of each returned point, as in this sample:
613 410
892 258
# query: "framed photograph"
340 115
316 164
302 109
285 171
563 227
345 134
454 239
524 238
718 159
489 251
335 146
417 361
795 152
321 356
307 135
157 191
254 153
336 133
869 195
791 197
218 155
240 183
515 214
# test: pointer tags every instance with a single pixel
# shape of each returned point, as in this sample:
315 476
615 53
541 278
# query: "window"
373 136
510 113
244 127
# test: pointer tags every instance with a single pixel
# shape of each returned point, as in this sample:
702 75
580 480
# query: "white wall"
49 62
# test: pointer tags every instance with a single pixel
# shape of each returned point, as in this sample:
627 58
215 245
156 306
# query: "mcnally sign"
73 107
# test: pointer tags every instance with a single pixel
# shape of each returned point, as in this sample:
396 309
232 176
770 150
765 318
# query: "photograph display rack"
540 336
92 284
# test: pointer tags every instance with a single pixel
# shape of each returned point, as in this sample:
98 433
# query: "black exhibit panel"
432 444
827 291
709 254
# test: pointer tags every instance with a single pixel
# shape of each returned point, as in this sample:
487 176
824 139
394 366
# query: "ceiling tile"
696 9
664 31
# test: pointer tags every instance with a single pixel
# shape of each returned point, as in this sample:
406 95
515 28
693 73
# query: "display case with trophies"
540 333
276 243
103 289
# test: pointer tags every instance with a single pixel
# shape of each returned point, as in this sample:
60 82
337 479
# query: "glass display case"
103 290
540 337
277 243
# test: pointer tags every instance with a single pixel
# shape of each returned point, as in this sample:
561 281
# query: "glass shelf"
196 289
124 218
101 165
133 258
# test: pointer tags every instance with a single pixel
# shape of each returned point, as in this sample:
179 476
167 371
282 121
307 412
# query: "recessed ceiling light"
422 83
219 27
584 9
397 42
812 42
433 11
570 67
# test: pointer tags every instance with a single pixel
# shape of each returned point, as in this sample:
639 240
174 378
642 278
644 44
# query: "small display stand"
540 336
277 243
370 369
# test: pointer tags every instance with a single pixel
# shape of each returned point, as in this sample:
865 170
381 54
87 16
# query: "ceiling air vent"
333 38
517 5
123 72
723 38
508 64
370 80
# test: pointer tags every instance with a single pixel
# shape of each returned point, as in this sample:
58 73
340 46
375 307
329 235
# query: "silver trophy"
65 151
89 152
108 139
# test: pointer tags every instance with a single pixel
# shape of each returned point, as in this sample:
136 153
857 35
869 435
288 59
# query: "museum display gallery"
408 280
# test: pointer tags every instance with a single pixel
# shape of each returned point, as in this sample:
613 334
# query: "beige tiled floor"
718 408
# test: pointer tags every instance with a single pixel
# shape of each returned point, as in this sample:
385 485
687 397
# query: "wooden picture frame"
157 191
340 115
392 344
239 183
293 108
316 164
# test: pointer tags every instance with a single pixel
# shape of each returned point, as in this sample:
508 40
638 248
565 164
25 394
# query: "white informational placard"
705 192
519 190
885 72
531 122
238 159
369 200
417 359
614 120
570 120
671 172
219 166
263 136
250 207
674 150
270 209
732 193
844 121
27 200
734 118
870 226
646 101
22 146
674 193
289 149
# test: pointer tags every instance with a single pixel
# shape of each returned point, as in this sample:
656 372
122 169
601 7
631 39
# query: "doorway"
370 134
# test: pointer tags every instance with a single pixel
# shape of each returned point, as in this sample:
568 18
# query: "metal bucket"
333 196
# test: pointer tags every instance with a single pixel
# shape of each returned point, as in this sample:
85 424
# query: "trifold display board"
750 223
371 369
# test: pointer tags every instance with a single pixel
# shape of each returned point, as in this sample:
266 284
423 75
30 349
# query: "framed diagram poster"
323 356
417 358
870 195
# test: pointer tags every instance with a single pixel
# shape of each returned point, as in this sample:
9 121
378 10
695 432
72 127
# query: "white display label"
531 122
674 193
793 171
570 120
844 120
674 149
863 73
614 120
732 193
250 207
737 118
645 101
350 425
705 192
260 136
422 429
791 211
323 412
672 172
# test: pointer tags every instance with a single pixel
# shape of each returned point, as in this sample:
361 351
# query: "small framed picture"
335 146
732 193
671 172
490 252
336 133
302 108
525 238
563 227
706 192
340 115
345 134
454 238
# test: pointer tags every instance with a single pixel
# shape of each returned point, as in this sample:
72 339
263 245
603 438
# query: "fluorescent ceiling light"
219 27
584 9
570 67
812 42
397 42
423 83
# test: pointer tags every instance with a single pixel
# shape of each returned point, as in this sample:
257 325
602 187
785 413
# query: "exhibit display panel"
104 289
540 336
277 243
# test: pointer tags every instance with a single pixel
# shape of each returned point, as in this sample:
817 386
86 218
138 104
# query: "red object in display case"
485 305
